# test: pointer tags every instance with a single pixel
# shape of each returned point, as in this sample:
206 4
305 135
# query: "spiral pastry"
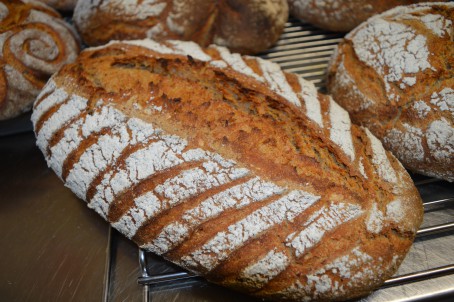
35 42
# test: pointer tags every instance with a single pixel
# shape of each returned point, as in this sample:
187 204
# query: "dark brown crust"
242 26
343 15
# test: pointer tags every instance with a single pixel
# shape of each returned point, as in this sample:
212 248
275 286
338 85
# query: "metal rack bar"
308 56
445 227
427 181
161 278
302 48
418 276
439 202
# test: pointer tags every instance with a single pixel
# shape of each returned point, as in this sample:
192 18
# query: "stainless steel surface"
20 124
53 248
124 270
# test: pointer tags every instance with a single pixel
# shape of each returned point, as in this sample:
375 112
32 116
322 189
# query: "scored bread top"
393 74
229 167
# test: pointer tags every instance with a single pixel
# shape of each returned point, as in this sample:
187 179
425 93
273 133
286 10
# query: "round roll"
35 42
342 15
394 75
242 26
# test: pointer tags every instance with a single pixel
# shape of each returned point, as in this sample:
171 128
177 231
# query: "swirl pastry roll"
230 168
35 42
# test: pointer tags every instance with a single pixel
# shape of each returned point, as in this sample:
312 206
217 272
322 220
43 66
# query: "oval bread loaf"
35 42
242 26
342 15
394 75
230 168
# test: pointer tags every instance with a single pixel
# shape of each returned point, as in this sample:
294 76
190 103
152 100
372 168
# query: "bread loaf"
394 75
230 168
35 42
64 5
342 15
242 26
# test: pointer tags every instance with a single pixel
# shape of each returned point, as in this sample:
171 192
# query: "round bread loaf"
342 15
243 26
35 42
65 5
230 168
395 75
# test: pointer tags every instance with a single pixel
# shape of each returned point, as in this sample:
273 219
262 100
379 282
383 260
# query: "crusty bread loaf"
342 15
230 168
65 5
35 42
394 75
242 26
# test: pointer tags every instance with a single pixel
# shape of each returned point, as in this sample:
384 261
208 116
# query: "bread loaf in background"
394 75
64 5
35 42
342 15
243 26
230 168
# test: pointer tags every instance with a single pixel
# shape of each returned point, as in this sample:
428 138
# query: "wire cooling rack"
428 270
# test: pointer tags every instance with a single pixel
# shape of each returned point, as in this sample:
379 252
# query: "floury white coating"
237 197
400 49
421 108
440 139
266 268
277 81
380 159
133 9
236 235
394 50
355 265
336 10
321 222
341 129
235 61
438 24
3 11
410 138
309 95
70 108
